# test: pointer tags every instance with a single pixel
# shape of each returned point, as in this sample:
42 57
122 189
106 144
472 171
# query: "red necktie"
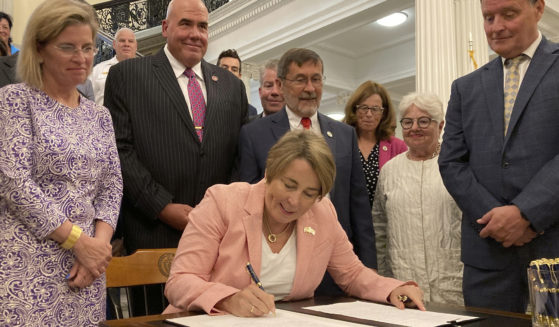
197 102
306 122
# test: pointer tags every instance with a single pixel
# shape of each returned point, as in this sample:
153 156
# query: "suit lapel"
10 70
329 135
211 81
492 80
327 132
280 124
166 77
252 223
541 62
305 246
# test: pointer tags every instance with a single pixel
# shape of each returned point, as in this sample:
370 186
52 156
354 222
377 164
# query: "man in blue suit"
500 156
300 76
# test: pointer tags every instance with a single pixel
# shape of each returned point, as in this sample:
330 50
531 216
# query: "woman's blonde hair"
387 122
305 145
47 21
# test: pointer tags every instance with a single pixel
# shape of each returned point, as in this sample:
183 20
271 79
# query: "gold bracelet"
72 238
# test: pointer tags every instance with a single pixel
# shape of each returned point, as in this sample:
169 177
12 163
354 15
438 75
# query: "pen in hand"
257 282
254 277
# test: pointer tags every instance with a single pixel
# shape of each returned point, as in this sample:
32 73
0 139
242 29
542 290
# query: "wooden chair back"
141 268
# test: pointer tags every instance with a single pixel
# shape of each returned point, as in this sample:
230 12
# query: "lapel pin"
384 148
214 78
309 230
329 134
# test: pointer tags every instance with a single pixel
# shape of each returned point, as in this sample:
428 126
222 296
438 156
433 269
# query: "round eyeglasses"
422 122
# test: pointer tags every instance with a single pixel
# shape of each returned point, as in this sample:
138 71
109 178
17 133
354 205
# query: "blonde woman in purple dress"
60 182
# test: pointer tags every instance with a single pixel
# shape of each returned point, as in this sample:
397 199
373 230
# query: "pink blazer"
225 232
388 149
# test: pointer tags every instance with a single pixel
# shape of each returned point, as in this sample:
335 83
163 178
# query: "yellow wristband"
72 238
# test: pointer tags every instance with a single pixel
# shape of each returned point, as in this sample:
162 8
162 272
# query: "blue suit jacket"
483 169
349 194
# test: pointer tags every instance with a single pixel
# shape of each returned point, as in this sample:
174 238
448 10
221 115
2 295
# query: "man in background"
230 60
125 46
270 92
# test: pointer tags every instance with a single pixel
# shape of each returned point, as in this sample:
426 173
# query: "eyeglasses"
71 50
422 122
316 81
363 109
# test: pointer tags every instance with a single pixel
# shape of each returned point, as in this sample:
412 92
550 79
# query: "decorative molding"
350 53
396 76
240 12
342 97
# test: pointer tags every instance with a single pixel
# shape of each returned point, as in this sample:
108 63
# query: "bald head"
186 31
171 5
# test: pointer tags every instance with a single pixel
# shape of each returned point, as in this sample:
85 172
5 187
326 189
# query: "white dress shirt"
98 77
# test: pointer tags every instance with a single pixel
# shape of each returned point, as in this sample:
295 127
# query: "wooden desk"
493 318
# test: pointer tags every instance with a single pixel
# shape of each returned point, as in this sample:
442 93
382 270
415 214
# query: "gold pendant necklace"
272 238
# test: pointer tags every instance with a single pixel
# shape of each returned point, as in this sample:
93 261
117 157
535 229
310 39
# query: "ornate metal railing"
137 15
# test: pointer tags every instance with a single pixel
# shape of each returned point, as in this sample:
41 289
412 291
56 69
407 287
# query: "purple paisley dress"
56 163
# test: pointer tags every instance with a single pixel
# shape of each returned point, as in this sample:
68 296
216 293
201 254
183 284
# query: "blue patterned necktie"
197 102
512 83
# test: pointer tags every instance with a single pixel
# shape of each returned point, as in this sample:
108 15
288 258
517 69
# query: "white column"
469 22
7 7
442 38
435 47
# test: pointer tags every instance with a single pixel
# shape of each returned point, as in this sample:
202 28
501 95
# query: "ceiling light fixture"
336 116
394 19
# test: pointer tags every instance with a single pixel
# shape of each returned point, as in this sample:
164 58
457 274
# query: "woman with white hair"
417 223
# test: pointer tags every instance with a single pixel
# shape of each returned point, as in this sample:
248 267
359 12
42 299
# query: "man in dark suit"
500 156
230 60
8 69
167 160
300 76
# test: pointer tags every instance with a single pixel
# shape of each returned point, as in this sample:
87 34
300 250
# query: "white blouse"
417 228
278 269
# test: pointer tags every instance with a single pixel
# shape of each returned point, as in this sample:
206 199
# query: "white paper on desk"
283 318
389 314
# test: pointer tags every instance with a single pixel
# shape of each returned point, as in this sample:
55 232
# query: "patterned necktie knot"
512 84
513 63
189 73
306 122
